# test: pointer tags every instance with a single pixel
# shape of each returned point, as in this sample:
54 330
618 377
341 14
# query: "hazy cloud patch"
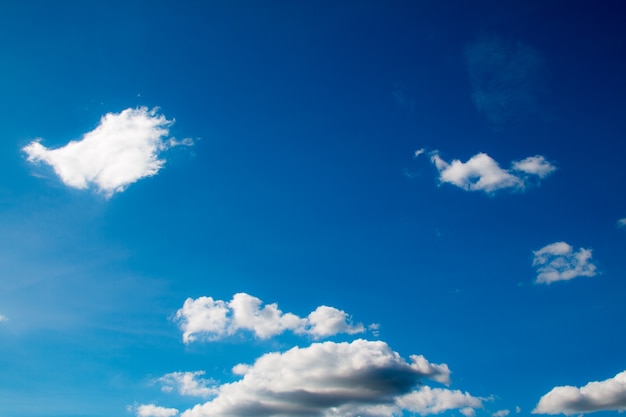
207 319
482 173
188 384
559 262
151 410
124 148
621 223
506 78
609 394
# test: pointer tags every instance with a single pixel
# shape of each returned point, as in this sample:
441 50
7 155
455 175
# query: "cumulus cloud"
151 410
506 79
361 378
501 413
208 319
468 412
121 150
534 165
188 384
609 394
482 173
559 262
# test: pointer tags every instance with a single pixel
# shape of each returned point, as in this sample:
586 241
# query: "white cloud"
209 319
419 152
501 413
558 262
483 173
188 383
428 400
121 150
151 410
534 165
518 409
621 222
3 318
363 378
609 394
468 412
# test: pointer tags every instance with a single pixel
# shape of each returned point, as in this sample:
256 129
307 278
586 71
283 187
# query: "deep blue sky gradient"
301 189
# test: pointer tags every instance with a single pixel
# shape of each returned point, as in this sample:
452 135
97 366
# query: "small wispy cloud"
607 395
482 173
621 223
506 77
151 410
336 379
188 384
208 319
501 413
124 148
3 318
559 262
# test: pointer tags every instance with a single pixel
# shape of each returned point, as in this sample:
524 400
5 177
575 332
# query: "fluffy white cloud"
501 413
361 378
468 412
558 262
188 383
483 173
122 149
209 319
428 400
621 222
609 394
534 165
151 410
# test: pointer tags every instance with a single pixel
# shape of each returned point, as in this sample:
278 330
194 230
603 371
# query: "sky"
315 209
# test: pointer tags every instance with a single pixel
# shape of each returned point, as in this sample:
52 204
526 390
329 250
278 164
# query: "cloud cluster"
208 319
151 410
188 384
483 173
121 150
361 378
558 262
609 394
501 413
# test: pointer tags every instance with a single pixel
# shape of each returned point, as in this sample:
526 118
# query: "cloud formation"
121 150
609 394
3 318
188 384
483 173
361 378
558 262
207 319
505 76
501 413
621 222
151 410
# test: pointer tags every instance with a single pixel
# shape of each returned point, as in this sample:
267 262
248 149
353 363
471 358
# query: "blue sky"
327 209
